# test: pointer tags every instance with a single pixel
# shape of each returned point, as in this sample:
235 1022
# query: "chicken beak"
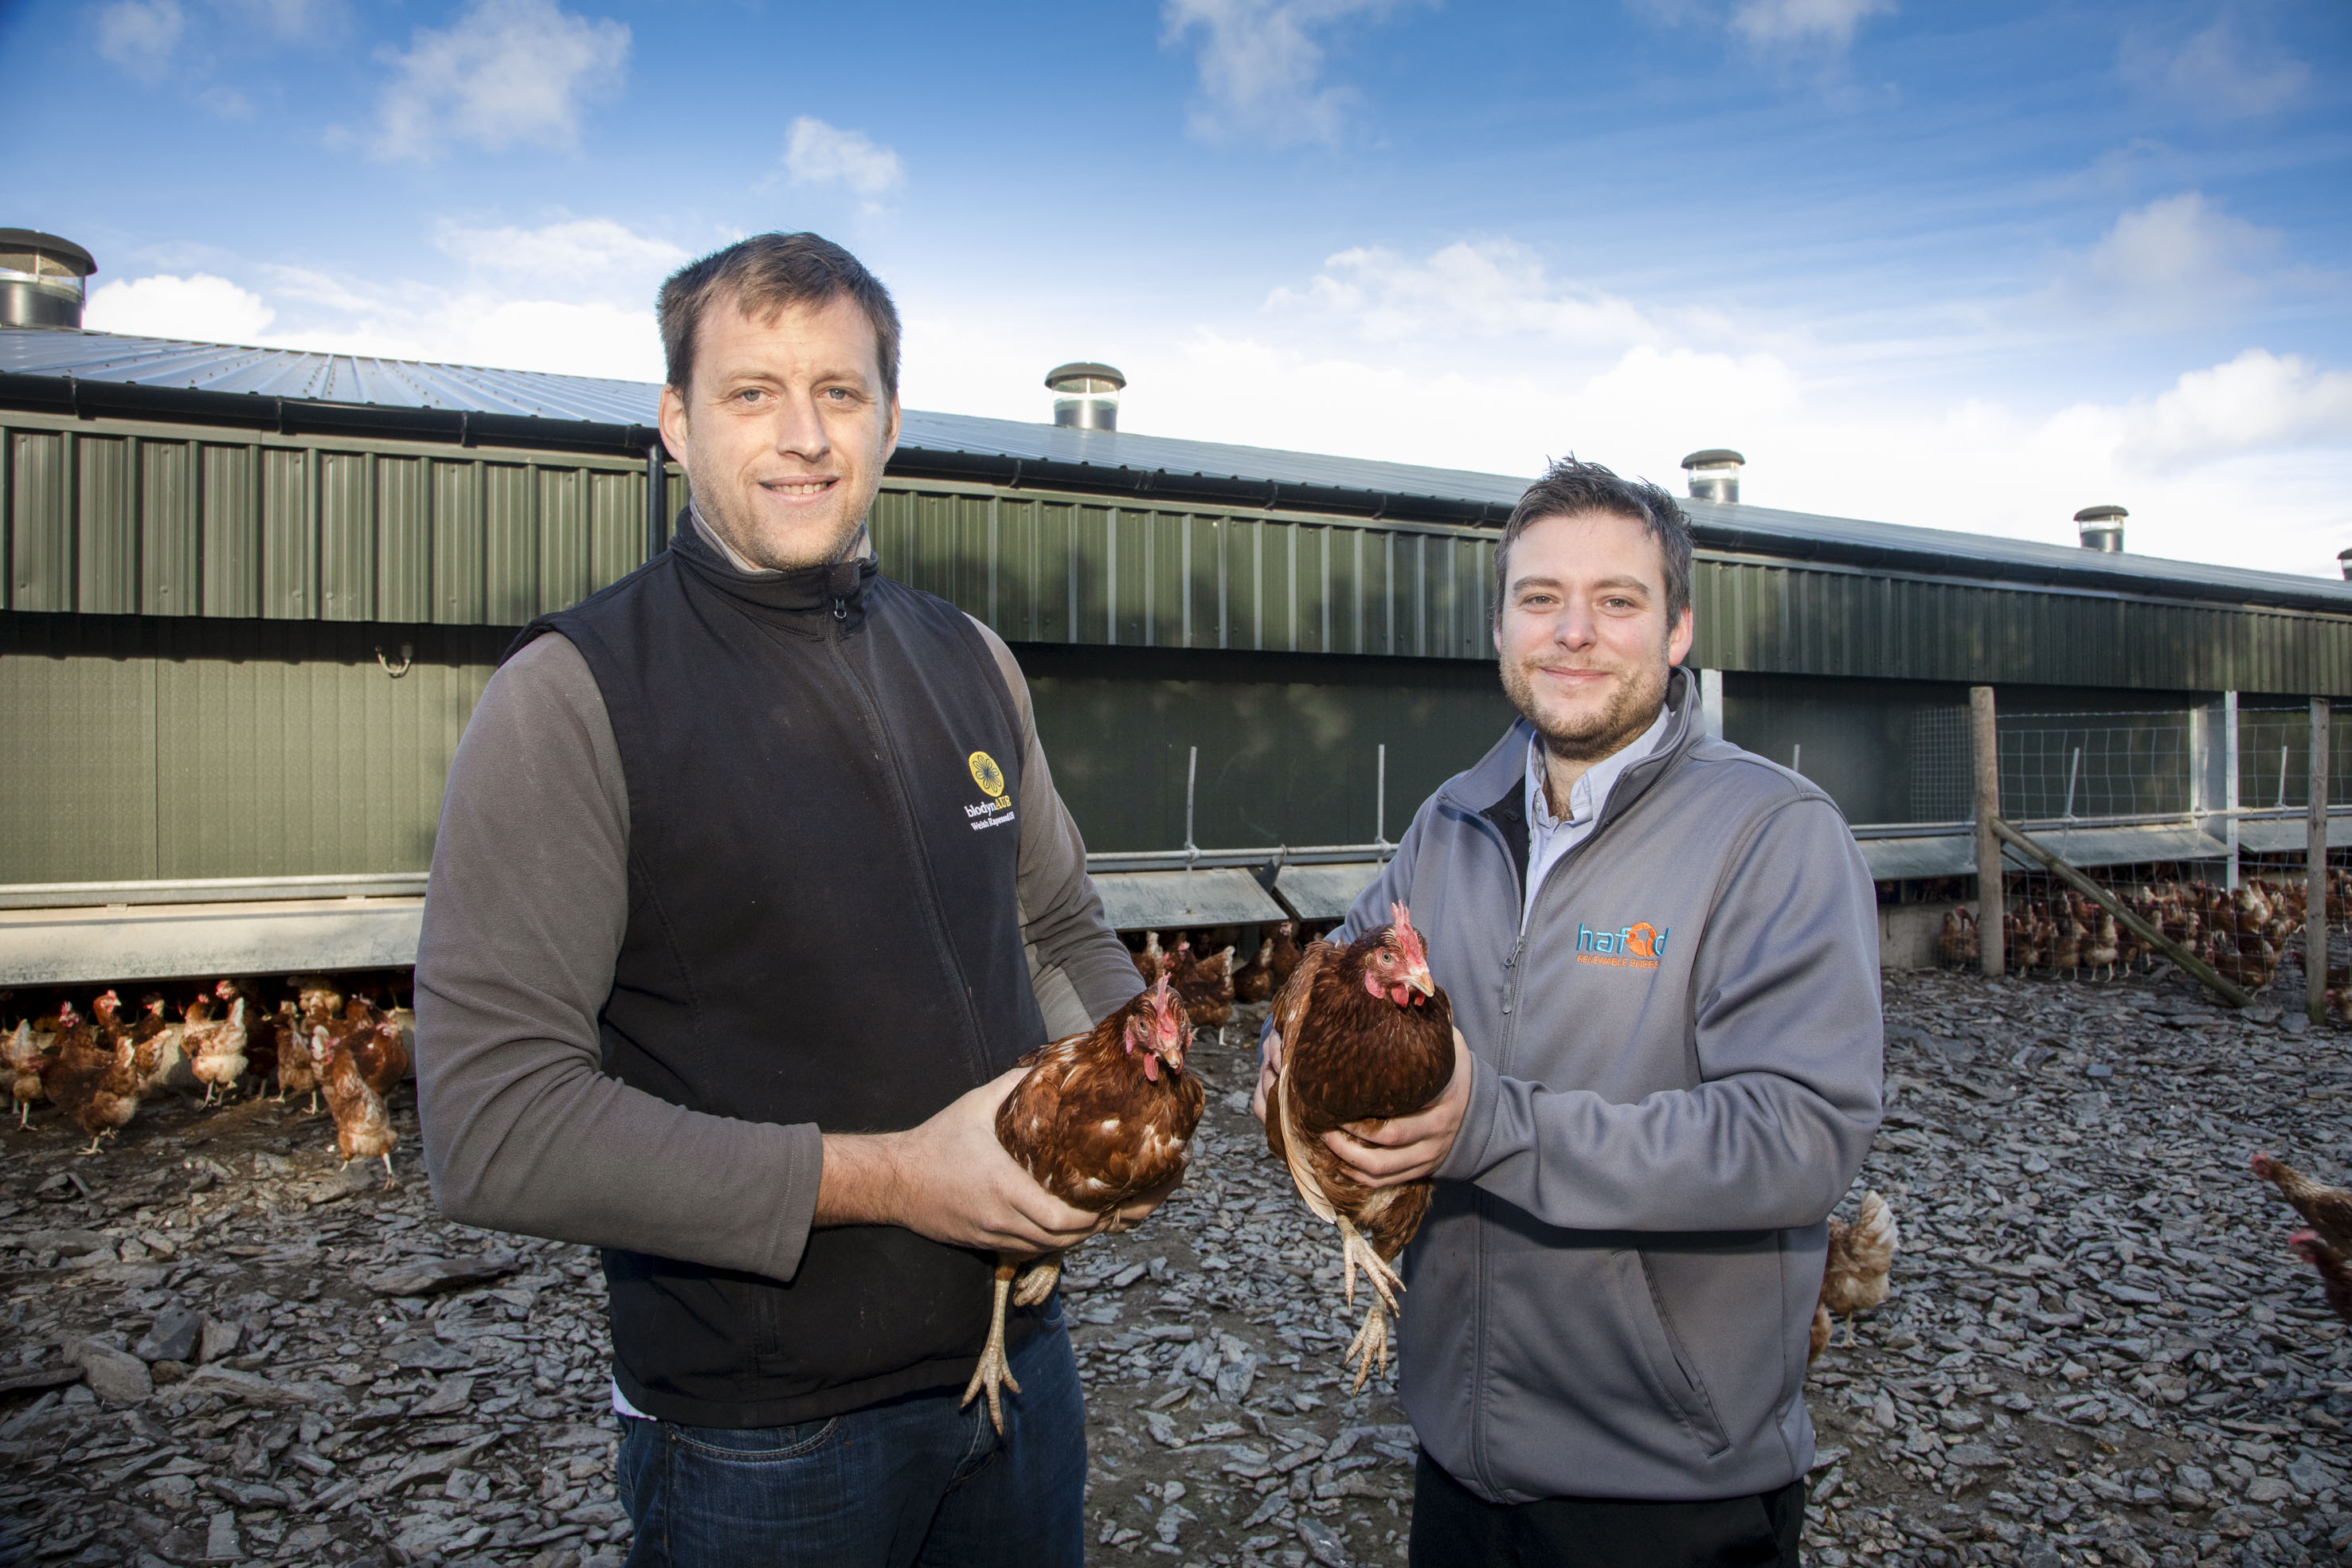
1418 978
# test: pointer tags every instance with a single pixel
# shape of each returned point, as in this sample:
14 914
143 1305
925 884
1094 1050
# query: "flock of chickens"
98 1069
2242 933
1366 1036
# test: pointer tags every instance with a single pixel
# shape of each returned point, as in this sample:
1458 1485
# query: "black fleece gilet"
821 771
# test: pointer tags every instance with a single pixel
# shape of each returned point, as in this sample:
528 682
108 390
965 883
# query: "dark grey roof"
117 374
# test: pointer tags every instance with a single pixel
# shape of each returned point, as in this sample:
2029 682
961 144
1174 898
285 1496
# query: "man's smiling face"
1585 643
785 429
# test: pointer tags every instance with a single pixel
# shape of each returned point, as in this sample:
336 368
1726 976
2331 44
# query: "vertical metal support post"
656 498
2074 772
1984 759
2315 887
2230 781
1191 777
1381 799
1797 758
1710 702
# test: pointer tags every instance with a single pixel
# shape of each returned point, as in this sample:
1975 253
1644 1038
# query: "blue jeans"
912 1481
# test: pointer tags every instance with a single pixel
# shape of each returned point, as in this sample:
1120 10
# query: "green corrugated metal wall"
145 749
104 517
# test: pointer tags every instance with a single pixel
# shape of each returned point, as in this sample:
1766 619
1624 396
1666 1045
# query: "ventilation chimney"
1714 474
41 279
2102 527
1086 395
2344 559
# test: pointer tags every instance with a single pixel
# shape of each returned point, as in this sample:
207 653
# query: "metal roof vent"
1714 474
41 279
2344 559
1086 395
2102 527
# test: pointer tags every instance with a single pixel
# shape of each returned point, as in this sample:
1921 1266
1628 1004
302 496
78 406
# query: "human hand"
1391 1153
1138 1209
1270 1062
951 1180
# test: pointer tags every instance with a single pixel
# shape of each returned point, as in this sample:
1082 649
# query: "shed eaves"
345 380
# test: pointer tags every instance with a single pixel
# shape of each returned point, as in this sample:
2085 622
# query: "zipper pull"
841 610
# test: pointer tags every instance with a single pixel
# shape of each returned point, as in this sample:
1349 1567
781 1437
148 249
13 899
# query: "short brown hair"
764 275
1570 488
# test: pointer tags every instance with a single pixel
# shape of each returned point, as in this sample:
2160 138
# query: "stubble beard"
749 544
1633 707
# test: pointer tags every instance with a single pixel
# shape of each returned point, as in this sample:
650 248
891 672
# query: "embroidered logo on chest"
996 810
1636 947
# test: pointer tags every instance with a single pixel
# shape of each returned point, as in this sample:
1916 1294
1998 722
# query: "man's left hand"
1391 1153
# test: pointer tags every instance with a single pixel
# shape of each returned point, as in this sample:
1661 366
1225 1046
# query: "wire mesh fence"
2058 767
2274 759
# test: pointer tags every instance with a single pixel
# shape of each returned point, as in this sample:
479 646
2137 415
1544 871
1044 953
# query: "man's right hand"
1270 1062
949 1179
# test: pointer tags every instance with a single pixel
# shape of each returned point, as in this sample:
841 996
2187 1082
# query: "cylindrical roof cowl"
2102 527
2344 559
1086 395
1714 474
41 279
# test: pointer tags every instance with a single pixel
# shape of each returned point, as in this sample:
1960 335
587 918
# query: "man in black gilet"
727 958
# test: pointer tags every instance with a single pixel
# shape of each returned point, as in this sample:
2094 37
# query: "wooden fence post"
2315 887
1984 758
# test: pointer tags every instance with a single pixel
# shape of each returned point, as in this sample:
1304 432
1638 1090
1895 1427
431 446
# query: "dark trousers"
1452 1527
916 1483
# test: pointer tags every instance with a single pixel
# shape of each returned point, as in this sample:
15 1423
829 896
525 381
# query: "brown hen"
95 1077
2326 1210
1102 1118
1367 1036
1855 1269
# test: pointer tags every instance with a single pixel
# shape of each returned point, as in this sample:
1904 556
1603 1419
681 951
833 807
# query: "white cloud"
594 253
2257 402
505 72
227 102
1493 288
1259 64
199 307
2177 260
2217 74
141 36
816 154
1796 24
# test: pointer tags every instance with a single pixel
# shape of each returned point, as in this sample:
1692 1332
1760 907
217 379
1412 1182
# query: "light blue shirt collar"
1550 837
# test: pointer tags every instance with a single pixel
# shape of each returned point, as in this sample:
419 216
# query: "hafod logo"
991 780
1636 947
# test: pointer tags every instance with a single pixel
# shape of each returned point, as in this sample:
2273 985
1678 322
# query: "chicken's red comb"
1408 940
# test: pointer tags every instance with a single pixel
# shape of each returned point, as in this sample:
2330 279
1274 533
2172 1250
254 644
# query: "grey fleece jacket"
1677 1073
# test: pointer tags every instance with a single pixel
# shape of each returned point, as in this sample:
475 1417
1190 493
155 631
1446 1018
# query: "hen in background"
363 1129
2326 1210
1253 981
1286 954
96 1079
1854 1273
1101 1118
1367 1036
29 1060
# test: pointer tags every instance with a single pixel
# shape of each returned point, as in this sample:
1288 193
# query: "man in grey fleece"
1661 954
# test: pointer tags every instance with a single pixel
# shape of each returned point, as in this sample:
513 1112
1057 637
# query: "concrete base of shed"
1907 932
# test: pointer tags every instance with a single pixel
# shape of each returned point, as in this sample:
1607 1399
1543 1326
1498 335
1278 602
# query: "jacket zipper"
974 1047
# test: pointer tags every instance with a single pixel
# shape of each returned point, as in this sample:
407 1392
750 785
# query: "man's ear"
1678 642
890 441
672 420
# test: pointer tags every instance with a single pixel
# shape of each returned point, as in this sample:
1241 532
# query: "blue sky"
1968 267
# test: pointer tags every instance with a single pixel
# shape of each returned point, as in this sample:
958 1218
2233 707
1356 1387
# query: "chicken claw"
1353 1250
993 1372
1038 1282
1371 1341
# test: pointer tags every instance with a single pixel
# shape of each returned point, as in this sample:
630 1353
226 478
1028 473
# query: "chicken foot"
994 1371
1038 1282
1371 1341
1355 1250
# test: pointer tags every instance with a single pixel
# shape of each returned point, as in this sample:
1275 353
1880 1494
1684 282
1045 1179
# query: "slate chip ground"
2098 1350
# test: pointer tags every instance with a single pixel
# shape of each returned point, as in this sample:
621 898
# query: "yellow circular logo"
987 774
